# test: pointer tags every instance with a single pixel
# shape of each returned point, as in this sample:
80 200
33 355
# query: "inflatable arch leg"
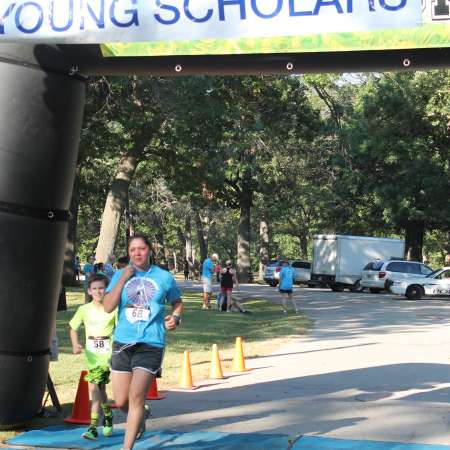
41 111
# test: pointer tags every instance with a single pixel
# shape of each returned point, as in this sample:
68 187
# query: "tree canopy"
214 157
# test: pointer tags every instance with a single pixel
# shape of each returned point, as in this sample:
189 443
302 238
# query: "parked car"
272 272
435 284
302 271
380 274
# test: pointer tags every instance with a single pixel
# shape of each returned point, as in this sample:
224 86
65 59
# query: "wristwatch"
177 318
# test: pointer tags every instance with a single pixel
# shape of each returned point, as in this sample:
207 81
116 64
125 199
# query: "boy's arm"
76 347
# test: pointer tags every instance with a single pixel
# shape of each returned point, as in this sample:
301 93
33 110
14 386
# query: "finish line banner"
213 27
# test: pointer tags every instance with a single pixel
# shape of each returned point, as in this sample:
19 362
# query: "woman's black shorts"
128 357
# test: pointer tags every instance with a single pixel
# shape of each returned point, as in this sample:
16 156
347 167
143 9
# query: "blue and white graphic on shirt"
142 306
286 278
208 268
140 291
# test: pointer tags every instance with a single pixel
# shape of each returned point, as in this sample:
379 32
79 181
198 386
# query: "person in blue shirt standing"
287 275
207 276
140 291
88 270
108 267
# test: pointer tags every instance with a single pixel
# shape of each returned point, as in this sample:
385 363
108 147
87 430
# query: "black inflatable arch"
42 98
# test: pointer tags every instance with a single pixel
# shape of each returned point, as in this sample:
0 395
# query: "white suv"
302 271
380 274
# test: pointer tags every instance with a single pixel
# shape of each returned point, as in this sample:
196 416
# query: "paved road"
373 367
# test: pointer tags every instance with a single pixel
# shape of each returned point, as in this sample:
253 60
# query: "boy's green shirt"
97 323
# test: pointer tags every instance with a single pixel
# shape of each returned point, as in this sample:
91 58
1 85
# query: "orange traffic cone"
238 358
215 370
153 393
186 374
81 411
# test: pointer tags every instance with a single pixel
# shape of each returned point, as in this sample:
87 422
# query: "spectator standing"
88 270
99 327
77 268
227 280
286 285
186 270
109 269
207 276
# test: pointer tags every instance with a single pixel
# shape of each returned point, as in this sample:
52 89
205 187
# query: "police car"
435 284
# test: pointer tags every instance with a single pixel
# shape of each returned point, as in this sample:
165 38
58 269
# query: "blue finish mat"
65 437
323 443
70 437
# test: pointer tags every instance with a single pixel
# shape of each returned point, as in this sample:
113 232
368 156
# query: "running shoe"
142 428
91 433
108 425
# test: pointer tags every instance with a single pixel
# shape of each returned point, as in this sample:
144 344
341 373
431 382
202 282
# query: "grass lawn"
263 330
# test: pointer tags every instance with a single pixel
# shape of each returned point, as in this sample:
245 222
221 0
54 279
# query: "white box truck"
338 260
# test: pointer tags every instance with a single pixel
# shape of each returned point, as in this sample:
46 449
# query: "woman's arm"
111 299
177 310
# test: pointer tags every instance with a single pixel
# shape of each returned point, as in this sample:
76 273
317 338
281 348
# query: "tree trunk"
264 246
160 248
303 246
68 277
202 242
128 220
188 237
114 207
243 244
414 241
175 262
182 240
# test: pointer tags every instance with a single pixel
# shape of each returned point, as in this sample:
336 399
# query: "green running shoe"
142 426
91 433
108 425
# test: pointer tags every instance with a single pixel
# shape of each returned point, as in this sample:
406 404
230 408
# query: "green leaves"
355 154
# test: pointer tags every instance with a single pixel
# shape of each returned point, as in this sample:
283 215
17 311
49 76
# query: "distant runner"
287 275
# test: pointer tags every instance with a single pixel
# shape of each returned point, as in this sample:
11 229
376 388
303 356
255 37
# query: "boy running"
99 327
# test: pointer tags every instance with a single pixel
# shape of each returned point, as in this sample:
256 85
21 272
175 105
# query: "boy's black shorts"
128 357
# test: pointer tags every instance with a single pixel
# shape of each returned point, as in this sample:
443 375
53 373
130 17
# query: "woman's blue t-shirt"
142 306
